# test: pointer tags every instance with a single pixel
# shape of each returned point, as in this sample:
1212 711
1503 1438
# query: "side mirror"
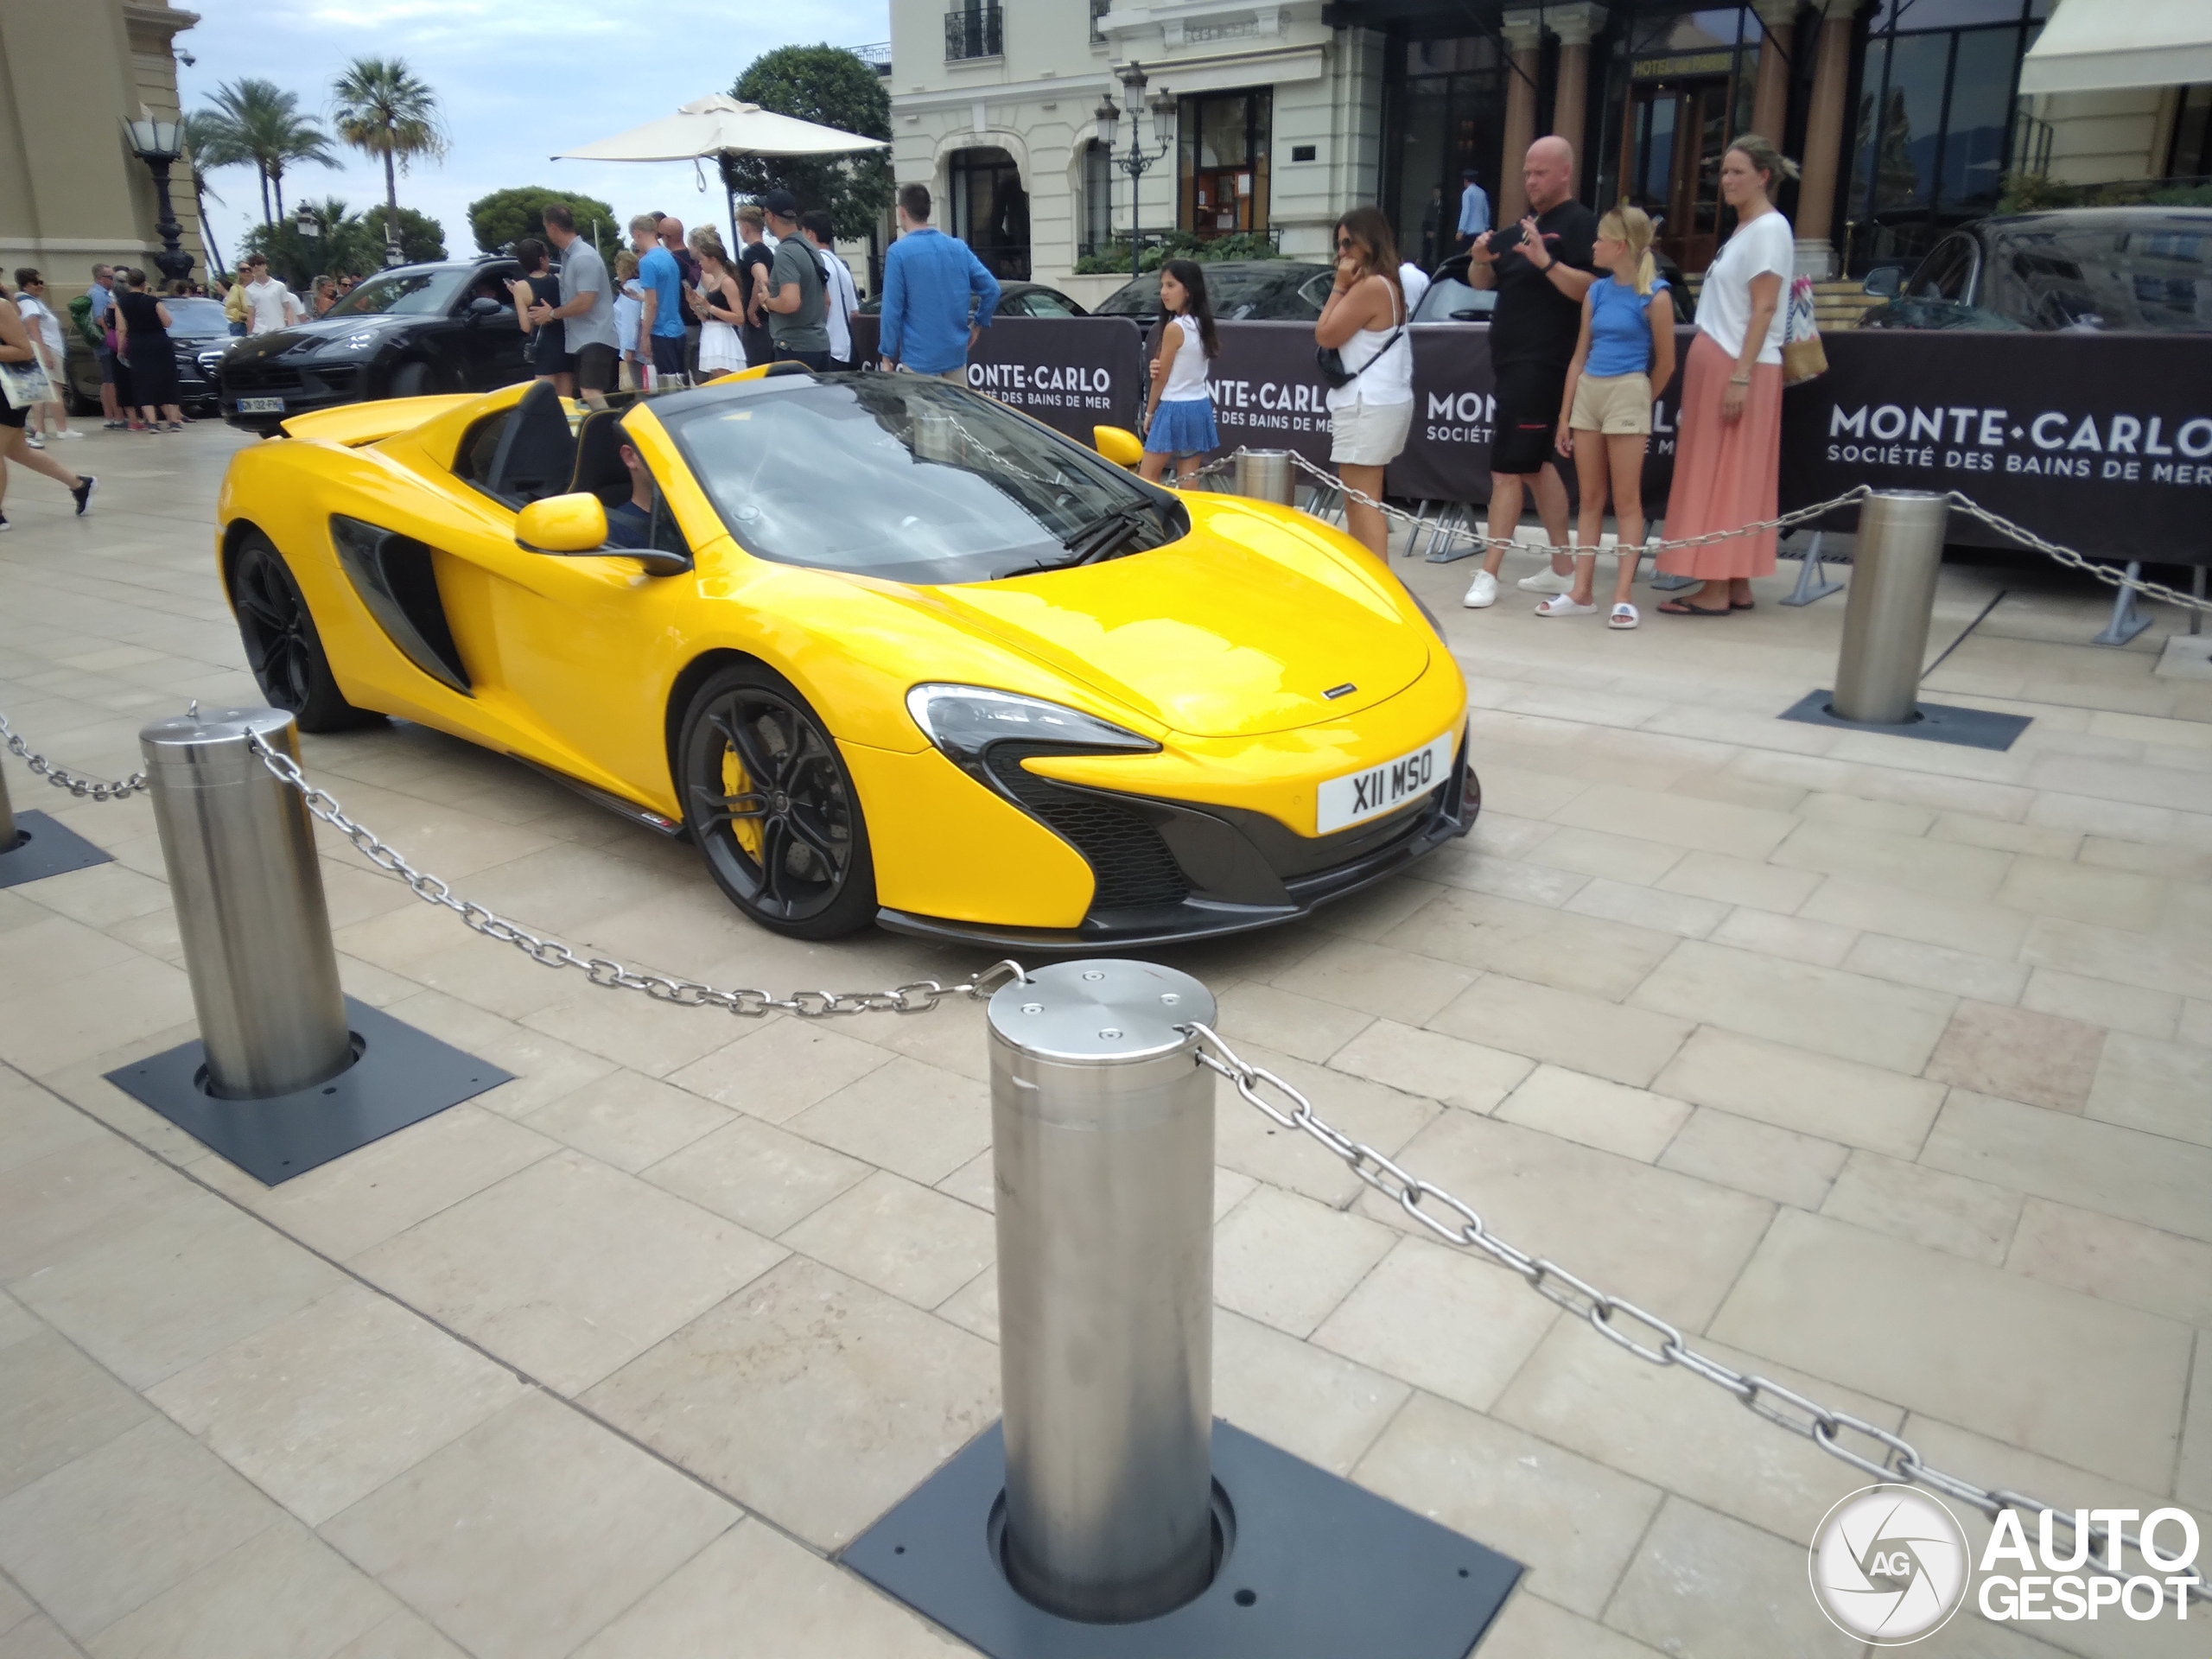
563 524
1885 281
481 307
1118 444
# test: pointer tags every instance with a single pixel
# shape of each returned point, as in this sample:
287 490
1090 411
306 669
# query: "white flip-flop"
1623 616
1564 605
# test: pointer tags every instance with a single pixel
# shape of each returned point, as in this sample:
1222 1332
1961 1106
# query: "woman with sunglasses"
1371 408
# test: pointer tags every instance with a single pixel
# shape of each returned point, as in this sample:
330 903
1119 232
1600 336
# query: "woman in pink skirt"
1731 445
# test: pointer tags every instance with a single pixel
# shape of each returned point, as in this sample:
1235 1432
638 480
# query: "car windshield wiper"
1099 537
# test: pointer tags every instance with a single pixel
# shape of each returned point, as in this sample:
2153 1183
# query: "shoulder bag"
1330 359
1803 357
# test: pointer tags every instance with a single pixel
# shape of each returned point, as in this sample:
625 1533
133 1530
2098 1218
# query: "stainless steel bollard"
1893 570
1101 1131
1267 476
240 851
7 815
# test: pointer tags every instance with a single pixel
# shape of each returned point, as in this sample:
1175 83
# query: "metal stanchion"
7 816
1893 569
1267 476
288 1072
1102 1134
239 848
1107 1516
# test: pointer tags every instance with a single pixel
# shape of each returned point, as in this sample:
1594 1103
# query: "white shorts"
1369 435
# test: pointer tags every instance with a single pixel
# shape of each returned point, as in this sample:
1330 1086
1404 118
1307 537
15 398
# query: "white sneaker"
34 439
1482 593
1564 605
1546 581
69 432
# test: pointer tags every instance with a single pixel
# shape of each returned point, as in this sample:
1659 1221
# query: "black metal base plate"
1973 729
44 848
402 1076
1318 1569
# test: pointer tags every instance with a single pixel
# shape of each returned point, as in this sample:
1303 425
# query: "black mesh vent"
1131 863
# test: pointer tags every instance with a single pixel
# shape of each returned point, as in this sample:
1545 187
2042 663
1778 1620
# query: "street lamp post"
1135 161
159 144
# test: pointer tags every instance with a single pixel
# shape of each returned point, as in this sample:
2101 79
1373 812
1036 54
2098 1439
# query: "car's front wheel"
772 807
413 379
281 646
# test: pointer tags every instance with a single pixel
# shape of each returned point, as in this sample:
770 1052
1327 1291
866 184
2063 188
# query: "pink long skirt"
1725 472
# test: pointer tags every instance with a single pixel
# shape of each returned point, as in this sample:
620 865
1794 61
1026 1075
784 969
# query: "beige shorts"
1369 435
1616 404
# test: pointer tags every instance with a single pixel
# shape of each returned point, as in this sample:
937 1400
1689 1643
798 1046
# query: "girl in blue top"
1623 359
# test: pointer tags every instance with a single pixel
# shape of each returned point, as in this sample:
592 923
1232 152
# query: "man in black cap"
796 305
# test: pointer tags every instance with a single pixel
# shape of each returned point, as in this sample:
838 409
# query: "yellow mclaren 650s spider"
885 649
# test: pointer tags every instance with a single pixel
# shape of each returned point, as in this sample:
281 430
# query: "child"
1625 357
629 304
1182 406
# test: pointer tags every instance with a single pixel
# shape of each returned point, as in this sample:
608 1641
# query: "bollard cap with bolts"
1100 1013
220 737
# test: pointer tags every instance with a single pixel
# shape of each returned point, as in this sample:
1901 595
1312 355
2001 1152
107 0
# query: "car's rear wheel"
413 380
768 799
281 646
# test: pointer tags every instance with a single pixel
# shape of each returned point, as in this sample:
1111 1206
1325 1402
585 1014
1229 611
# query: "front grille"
1125 854
264 377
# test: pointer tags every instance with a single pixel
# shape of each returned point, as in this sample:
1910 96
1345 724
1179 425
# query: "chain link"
1622 1323
916 996
2073 561
84 788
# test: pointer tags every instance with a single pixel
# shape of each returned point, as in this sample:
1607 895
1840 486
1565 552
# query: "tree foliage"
344 241
382 109
504 217
257 122
830 87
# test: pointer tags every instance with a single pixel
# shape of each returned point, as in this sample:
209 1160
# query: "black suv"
409 332
2070 269
199 331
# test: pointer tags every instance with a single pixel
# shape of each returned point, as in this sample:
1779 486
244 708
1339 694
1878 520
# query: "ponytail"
1632 228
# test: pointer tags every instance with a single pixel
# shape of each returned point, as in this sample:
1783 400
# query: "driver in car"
629 524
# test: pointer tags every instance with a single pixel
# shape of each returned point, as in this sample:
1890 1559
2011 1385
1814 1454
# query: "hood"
1240 628
321 334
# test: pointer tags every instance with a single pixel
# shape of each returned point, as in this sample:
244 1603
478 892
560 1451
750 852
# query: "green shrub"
1178 244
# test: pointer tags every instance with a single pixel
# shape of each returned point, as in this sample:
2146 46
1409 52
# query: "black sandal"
1676 607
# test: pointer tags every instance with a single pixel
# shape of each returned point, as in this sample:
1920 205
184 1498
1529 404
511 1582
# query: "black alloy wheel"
281 646
769 800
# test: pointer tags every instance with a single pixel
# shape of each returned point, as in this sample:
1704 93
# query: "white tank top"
1390 380
1186 375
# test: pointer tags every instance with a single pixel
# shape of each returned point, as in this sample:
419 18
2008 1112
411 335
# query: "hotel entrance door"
1672 143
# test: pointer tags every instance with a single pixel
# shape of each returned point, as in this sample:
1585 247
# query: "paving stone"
1610 1116
758 1175
1286 1260
1396 985
1933 967
1429 1062
281 1594
529 1532
1532 1628
1575 953
1589 1033
2164 1088
921 1121
1700 826
1249 1141
1813 1094
1951 921
1822 1008
2051 887
776 1072
1599 852
1703 1585
2114 1260
1754 1157
2041 1058
1304 1399
1744 881
628 1121
1287 1022
1445 1319
55 1405
1925 1207
911 1240
1785 936
2101 1167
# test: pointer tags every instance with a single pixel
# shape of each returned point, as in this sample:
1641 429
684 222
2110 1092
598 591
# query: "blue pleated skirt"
1184 427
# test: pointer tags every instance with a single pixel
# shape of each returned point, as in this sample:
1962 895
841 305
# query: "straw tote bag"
1803 357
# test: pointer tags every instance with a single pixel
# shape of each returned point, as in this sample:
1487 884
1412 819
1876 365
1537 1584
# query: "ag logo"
1888 1565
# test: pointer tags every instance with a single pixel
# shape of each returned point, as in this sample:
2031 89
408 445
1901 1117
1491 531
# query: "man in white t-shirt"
1414 281
267 301
842 298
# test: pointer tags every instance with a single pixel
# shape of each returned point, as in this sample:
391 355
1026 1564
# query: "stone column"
1824 140
1524 35
1576 25
1771 98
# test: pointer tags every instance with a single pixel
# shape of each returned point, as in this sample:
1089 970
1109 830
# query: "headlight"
963 720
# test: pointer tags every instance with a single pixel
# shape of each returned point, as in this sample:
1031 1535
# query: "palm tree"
207 143
255 121
383 109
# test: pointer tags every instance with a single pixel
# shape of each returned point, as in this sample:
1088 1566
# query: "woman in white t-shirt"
1371 414
1730 451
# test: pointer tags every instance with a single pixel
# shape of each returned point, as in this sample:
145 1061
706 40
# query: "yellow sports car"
886 649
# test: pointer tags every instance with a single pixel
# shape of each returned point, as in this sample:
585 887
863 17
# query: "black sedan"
1240 290
2075 269
198 330
406 332
1016 300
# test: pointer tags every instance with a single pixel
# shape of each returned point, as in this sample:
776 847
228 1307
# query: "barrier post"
248 890
1102 1138
1892 594
7 816
1267 476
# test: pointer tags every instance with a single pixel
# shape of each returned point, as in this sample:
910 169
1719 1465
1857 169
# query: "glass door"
1676 134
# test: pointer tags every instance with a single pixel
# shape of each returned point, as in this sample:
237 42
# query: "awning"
720 126
2094 46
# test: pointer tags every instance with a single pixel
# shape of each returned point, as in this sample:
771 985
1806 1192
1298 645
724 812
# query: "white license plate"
261 405
1359 796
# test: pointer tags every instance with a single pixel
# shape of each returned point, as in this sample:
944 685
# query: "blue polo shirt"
929 281
659 271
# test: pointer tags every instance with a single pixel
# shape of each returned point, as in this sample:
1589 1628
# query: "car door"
488 344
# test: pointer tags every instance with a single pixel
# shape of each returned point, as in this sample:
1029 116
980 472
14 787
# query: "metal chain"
2073 561
916 996
1622 1322
87 789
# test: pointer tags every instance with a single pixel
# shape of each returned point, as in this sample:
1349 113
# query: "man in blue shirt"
660 323
1474 209
930 280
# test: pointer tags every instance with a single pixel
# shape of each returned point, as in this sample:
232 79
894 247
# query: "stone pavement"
1885 1065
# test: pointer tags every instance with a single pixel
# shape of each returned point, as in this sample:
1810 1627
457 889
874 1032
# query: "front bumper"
1239 872
304 389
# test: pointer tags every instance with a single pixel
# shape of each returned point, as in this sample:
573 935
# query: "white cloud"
518 83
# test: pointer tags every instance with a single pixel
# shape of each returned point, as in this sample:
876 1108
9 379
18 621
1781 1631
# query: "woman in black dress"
143 333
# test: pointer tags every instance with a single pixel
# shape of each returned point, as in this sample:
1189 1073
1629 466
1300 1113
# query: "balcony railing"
976 32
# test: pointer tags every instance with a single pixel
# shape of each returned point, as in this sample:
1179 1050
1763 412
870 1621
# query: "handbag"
25 384
1330 360
1803 357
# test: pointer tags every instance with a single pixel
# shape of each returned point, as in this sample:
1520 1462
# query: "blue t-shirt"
1620 329
658 273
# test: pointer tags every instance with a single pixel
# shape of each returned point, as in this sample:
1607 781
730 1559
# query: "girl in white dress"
720 303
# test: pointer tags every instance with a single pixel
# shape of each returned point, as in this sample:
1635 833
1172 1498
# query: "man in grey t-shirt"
795 304
586 308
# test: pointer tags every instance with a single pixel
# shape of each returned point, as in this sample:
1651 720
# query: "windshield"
902 477
1270 290
403 292
197 317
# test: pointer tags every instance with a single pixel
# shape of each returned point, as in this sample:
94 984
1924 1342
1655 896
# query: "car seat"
536 450
599 459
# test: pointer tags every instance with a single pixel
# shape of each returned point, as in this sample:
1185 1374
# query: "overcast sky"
519 81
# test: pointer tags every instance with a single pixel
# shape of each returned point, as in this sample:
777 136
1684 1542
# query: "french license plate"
261 405
1359 796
